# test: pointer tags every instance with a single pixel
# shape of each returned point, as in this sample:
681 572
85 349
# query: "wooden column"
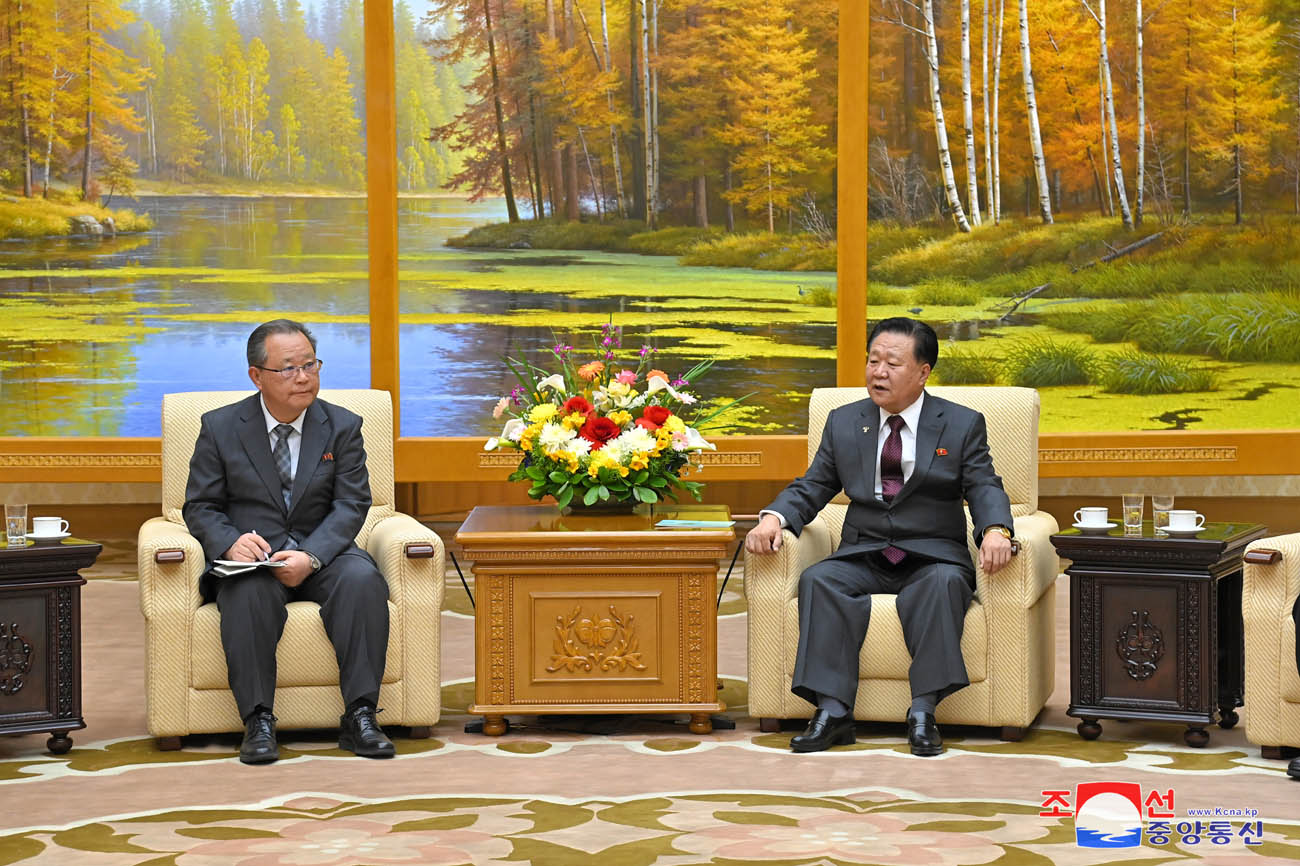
851 196
381 199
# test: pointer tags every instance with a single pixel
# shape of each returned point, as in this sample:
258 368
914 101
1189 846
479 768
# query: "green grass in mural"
1043 363
37 217
1140 373
947 291
764 251
964 367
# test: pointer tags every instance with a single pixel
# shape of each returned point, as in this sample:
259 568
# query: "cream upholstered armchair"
1008 641
1270 583
185 668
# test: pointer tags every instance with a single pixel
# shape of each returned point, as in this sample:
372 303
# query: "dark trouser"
1295 615
353 597
835 610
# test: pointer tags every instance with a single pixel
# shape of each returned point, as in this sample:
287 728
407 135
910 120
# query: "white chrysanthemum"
638 440
577 448
555 437
615 451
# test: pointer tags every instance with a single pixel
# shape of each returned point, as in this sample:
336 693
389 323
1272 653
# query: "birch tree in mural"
972 172
1108 103
1031 108
930 50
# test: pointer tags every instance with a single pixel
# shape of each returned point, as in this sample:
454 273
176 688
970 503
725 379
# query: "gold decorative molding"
80 461
694 640
728 458
497 643
498 460
698 554
1174 453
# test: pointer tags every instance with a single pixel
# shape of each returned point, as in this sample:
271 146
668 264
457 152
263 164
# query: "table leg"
495 726
701 723
1227 716
1089 729
59 742
1196 737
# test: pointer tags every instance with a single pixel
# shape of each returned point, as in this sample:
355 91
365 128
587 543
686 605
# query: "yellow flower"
574 420
542 412
639 461
674 424
622 471
620 417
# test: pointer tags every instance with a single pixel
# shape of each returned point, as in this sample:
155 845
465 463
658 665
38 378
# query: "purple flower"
647 350
517 395
677 383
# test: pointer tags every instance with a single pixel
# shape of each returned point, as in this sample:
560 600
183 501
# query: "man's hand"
297 570
766 537
995 552
249 547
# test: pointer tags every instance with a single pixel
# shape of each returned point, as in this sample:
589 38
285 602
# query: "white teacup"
48 527
1185 518
1092 516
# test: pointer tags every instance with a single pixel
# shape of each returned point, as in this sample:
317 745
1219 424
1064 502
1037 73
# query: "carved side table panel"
594 613
1155 627
40 638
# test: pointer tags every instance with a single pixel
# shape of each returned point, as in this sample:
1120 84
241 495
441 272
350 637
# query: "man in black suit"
282 476
907 460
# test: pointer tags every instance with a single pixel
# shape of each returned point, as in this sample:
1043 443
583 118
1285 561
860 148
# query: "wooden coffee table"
594 613
40 638
1155 626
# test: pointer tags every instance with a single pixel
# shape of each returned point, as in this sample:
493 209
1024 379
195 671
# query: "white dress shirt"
911 417
295 438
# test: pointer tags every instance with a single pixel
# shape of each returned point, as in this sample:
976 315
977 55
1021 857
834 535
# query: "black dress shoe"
1293 768
360 733
259 746
824 731
923 734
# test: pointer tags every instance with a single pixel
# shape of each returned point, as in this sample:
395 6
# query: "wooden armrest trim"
1263 556
419 550
1015 547
170 554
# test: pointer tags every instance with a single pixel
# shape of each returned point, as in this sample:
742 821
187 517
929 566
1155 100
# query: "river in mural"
93 333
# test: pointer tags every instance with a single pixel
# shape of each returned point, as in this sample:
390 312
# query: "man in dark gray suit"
904 534
281 476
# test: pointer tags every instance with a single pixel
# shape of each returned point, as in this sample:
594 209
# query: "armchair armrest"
169 583
1271 575
775 576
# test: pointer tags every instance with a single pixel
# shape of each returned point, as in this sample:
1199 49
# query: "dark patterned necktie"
284 461
891 476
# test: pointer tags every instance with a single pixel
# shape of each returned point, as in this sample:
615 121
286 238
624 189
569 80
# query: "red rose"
598 431
653 417
578 405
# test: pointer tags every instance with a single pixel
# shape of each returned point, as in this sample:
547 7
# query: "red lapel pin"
329 455
941 452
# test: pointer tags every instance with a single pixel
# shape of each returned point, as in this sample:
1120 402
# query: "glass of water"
16 524
1160 508
1132 512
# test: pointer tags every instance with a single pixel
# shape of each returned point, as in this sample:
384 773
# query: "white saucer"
1095 529
1182 533
34 537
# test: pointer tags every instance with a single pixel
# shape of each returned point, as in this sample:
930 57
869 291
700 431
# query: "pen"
265 556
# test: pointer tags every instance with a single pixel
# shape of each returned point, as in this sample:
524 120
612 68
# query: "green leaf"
604 492
640 477
559 477
592 494
658 481
536 473
564 497
645 494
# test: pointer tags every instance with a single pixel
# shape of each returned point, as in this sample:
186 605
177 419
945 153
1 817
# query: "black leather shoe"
923 734
360 733
824 731
259 746
1293 768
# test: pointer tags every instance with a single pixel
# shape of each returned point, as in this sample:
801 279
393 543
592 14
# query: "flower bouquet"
604 431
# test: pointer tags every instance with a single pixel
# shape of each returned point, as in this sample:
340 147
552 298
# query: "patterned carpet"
606 790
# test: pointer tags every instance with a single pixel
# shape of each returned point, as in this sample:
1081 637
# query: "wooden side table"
1155 626
40 638
594 613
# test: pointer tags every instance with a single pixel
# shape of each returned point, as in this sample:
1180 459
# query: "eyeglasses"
311 368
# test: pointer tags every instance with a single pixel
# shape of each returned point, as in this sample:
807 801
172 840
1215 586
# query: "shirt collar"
271 423
911 415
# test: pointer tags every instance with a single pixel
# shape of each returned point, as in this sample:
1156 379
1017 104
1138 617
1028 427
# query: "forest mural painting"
1098 200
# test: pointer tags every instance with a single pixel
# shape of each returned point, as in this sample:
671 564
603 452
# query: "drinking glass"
1160 508
16 524
1133 513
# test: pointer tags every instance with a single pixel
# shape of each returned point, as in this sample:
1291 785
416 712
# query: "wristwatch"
999 528
315 563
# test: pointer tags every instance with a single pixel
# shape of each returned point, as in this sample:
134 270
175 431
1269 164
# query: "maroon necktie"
891 476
